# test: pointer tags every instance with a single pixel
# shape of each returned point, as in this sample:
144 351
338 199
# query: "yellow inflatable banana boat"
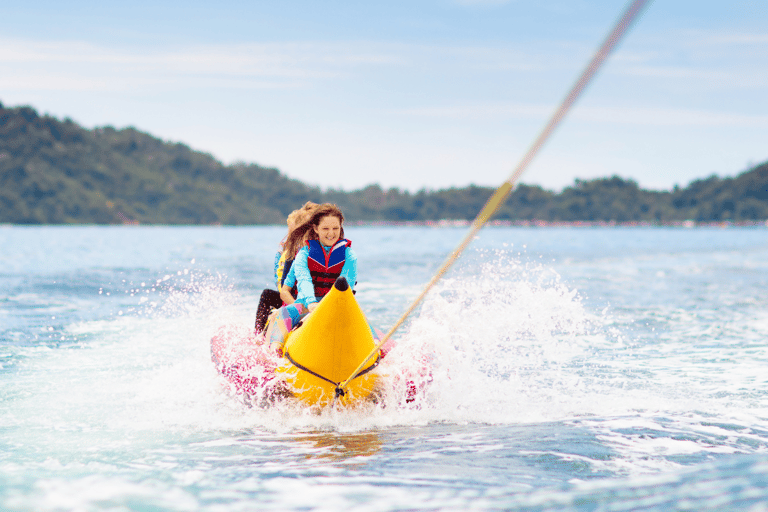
331 342
328 346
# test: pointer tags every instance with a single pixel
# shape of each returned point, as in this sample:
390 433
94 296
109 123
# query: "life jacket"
325 267
281 270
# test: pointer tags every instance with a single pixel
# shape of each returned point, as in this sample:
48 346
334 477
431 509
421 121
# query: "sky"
407 93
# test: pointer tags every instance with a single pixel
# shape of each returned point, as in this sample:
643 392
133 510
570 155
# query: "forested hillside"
54 171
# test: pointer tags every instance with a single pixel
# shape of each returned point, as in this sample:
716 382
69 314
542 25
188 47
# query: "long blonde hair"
295 220
305 231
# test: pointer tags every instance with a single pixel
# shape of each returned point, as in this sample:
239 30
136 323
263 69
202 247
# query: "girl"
325 256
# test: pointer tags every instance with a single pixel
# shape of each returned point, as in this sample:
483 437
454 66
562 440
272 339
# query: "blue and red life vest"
325 266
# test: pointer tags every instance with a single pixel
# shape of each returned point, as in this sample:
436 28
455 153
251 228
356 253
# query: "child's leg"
280 324
269 300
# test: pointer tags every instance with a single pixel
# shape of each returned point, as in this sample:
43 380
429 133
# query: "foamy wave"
500 342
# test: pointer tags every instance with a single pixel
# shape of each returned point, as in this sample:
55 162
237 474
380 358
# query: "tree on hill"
611 199
736 199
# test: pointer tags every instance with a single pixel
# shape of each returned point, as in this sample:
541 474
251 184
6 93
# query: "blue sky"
410 94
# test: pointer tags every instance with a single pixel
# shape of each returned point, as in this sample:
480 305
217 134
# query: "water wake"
504 342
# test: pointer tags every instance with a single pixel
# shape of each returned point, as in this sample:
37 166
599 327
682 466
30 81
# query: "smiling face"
328 230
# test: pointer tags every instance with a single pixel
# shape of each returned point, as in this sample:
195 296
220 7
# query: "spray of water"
500 341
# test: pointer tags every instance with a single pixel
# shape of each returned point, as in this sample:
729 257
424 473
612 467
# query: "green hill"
55 172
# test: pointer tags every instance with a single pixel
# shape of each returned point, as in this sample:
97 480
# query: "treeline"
56 172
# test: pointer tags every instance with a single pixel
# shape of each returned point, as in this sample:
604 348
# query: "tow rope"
500 195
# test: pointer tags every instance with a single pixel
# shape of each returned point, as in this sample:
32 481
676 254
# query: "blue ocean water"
573 369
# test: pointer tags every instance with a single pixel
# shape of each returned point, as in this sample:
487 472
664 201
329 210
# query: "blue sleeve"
349 270
300 270
278 268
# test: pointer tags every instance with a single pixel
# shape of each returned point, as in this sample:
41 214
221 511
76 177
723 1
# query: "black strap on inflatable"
339 391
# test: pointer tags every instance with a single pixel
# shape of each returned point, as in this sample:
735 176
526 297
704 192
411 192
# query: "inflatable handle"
341 284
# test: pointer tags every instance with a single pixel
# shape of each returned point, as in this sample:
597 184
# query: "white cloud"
290 62
630 115
481 3
37 65
660 116
55 82
736 38
482 111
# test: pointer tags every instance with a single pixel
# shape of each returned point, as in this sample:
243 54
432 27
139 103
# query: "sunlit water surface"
572 369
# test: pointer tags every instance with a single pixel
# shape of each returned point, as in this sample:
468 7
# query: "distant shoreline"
568 224
444 224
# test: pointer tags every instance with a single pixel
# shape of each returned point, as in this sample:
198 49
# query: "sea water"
571 369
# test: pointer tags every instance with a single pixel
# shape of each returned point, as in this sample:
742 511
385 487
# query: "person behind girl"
273 299
290 246
325 256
